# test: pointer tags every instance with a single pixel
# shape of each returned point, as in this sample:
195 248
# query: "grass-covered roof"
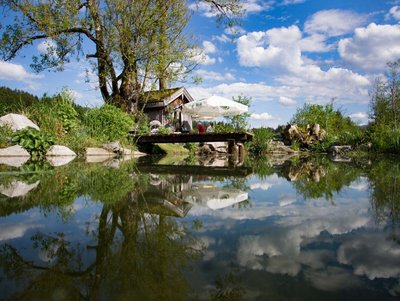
156 95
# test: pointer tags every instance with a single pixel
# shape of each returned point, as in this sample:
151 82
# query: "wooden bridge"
232 138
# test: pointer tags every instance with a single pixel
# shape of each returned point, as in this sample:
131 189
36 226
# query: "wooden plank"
219 171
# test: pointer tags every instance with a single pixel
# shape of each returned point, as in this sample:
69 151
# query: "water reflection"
302 229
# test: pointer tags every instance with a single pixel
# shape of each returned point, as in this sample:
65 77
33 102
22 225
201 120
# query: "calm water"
305 229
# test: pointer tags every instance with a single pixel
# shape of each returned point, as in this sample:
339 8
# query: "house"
166 105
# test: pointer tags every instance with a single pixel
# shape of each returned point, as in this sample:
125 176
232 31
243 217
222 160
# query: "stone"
96 151
114 147
98 159
17 188
60 150
14 151
13 161
17 122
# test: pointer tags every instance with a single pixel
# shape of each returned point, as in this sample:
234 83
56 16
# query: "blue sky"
285 53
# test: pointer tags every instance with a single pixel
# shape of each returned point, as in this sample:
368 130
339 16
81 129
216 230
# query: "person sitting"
200 128
185 127
210 129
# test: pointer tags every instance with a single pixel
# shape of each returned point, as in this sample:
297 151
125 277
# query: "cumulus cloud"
290 2
262 116
333 22
16 72
201 56
359 115
315 43
215 76
394 13
280 49
249 6
47 46
286 101
372 47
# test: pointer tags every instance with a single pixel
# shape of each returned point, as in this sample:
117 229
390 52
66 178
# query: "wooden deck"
184 138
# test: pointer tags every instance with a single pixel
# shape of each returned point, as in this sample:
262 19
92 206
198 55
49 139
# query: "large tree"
128 42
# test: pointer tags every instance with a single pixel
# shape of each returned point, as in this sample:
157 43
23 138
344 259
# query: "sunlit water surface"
305 229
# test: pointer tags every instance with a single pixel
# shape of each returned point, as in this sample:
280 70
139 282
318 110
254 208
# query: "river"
271 229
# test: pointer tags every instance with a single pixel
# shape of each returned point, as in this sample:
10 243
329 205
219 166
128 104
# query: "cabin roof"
154 99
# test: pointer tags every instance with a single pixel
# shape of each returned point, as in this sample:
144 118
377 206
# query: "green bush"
260 142
5 136
222 127
108 123
35 142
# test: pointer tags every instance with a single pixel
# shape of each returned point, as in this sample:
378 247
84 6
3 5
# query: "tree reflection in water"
139 250
139 253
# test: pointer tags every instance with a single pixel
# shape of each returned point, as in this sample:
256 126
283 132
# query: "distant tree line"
15 100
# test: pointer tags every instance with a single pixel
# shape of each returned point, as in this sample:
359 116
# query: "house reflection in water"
175 195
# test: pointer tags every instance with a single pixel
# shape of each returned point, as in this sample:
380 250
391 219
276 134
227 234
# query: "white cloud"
372 47
280 49
394 13
249 6
223 38
359 115
290 2
315 43
47 46
286 101
209 47
16 72
215 76
234 30
333 22
262 116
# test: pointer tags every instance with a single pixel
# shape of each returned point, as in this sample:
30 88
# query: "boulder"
138 154
14 151
125 152
60 151
96 151
17 122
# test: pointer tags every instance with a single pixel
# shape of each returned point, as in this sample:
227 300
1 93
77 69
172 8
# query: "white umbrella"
214 197
213 107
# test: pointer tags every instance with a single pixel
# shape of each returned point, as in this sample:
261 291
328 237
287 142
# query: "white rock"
59 150
60 160
17 188
13 161
17 122
14 151
95 151
126 152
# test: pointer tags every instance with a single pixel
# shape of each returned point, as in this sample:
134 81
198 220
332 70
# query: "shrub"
221 127
35 142
5 136
108 123
261 138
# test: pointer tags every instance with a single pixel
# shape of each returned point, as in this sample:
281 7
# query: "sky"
284 54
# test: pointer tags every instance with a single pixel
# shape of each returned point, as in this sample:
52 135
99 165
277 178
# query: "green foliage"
66 111
260 142
35 142
221 127
339 129
164 131
240 122
141 124
385 111
191 146
108 123
5 136
12 101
